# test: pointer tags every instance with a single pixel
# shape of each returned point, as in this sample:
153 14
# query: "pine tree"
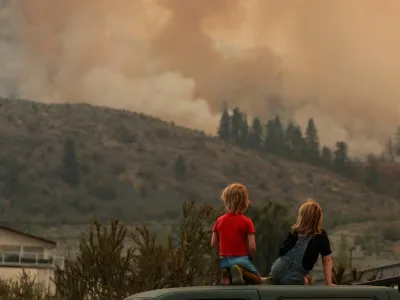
326 157
236 125
388 153
269 137
341 162
311 142
224 130
279 132
297 142
274 141
239 128
70 172
289 148
180 168
294 141
255 135
244 131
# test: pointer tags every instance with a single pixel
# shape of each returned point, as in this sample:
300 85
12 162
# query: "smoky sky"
183 60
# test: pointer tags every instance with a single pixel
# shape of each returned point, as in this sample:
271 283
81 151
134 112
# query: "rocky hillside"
69 163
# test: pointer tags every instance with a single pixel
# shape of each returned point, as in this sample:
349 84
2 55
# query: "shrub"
106 269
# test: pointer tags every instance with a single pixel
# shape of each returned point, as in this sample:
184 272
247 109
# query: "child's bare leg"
251 278
307 280
225 277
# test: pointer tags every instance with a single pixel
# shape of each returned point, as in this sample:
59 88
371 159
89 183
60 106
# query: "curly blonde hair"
309 219
236 198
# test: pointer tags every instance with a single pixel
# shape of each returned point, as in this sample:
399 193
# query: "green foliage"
12 169
326 157
106 268
294 143
341 161
272 225
237 119
274 141
372 178
224 130
390 232
343 251
24 288
124 135
70 172
311 142
372 242
180 168
256 134
342 275
290 143
240 128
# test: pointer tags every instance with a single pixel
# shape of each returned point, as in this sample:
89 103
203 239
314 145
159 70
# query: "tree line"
291 142
392 150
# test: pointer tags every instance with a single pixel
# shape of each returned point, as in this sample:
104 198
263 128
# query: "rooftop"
15 231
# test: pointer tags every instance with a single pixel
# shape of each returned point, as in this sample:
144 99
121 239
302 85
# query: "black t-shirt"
319 244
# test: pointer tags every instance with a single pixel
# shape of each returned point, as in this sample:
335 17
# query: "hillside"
128 170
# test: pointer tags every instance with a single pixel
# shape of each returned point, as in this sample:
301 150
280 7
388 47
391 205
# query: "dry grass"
127 169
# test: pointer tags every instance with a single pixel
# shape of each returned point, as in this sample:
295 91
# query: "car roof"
261 288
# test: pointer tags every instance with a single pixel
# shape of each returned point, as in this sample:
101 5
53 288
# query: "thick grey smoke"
181 60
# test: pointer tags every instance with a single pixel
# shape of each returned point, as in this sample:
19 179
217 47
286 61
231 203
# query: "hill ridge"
127 168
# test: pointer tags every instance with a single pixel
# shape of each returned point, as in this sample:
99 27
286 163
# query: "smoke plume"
182 60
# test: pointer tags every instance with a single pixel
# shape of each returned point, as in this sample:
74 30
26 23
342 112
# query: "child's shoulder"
322 233
234 216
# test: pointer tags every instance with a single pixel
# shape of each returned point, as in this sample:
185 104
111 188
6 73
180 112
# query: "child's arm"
327 265
325 250
251 239
214 236
214 240
251 244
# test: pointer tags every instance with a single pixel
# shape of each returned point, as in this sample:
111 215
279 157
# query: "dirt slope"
126 163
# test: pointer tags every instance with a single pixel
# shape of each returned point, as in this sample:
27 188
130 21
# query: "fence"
393 282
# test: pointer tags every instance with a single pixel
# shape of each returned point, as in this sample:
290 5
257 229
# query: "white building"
20 252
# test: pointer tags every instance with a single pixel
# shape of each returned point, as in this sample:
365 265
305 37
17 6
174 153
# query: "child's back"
233 230
234 236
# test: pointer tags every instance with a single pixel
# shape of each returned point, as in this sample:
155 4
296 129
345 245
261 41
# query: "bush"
105 269
389 232
22 289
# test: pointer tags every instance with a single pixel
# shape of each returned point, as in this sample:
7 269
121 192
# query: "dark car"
271 293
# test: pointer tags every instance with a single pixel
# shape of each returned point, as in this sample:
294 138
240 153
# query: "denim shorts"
242 261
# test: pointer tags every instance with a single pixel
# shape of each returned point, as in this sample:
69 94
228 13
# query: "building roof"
53 243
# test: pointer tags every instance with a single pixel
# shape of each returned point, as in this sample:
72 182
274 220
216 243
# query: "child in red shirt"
234 236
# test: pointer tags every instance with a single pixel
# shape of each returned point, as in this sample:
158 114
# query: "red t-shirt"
232 230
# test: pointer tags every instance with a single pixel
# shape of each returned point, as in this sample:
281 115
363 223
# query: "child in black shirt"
299 252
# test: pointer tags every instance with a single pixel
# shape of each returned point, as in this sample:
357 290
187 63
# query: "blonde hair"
309 219
235 197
